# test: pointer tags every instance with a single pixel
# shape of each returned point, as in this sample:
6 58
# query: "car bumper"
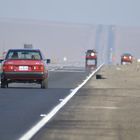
125 60
91 57
24 75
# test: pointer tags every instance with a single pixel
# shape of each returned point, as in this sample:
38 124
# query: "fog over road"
60 40
104 109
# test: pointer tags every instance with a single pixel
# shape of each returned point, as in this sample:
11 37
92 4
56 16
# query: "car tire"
44 83
4 84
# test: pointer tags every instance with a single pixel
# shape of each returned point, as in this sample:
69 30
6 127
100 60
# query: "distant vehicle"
126 58
25 66
91 59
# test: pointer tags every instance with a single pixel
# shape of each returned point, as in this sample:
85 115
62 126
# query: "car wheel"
44 83
4 84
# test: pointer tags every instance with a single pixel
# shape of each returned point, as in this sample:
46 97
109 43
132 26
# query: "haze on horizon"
69 25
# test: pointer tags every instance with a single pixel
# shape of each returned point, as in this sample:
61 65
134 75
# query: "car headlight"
92 54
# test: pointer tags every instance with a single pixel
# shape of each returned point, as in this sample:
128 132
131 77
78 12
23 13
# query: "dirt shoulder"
104 109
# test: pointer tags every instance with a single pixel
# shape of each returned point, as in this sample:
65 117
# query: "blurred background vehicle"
126 58
91 59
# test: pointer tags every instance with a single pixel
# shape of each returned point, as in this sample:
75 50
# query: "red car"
26 66
91 58
126 58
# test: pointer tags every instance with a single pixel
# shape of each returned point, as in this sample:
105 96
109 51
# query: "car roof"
128 54
24 49
89 51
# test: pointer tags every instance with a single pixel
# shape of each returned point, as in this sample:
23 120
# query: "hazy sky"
61 38
120 12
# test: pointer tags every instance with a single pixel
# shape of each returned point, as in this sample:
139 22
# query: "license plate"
23 68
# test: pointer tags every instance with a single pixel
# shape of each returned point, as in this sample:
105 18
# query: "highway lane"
21 105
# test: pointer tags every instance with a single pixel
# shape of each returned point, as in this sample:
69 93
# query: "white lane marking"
52 70
30 133
42 115
71 90
61 100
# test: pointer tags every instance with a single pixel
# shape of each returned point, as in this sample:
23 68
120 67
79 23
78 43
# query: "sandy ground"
104 109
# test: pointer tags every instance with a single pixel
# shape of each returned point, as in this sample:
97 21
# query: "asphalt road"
21 105
104 109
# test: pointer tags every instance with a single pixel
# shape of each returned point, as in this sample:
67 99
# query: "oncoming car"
25 66
91 58
126 58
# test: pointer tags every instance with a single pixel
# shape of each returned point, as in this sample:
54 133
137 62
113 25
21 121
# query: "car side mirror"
48 61
1 60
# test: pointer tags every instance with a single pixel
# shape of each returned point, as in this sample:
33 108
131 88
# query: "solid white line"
29 134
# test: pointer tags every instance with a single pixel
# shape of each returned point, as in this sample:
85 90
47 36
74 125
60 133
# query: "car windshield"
24 54
89 52
127 54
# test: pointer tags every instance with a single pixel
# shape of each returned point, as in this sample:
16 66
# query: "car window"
21 54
